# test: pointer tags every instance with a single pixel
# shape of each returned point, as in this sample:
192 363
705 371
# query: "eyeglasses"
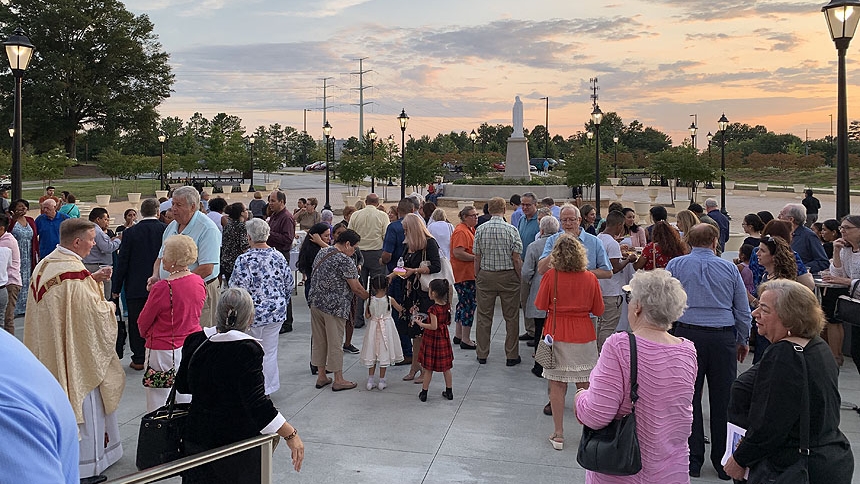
575 219
846 227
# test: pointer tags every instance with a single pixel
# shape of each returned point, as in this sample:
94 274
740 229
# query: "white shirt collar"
66 251
232 335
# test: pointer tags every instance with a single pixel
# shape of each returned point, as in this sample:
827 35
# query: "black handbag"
766 472
614 449
848 308
161 431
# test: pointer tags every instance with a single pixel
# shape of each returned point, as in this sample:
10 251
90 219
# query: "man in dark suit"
137 253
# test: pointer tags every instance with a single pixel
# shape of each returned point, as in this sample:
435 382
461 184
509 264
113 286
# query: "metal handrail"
265 442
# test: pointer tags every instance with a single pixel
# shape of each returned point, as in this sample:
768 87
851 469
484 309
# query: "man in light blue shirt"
190 221
598 262
717 321
518 211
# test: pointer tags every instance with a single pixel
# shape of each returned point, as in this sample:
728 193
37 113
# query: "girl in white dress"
381 344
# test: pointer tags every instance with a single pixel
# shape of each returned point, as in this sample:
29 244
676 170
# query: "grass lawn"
87 190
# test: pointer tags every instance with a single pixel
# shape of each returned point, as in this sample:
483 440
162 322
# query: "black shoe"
513 362
314 369
531 343
482 361
723 476
94 479
547 409
538 372
350 349
448 394
286 328
465 346
695 472
526 337
423 396
457 340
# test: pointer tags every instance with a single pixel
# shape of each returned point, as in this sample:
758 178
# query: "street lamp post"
842 17
403 118
372 136
723 123
161 139
19 50
546 131
615 141
694 128
390 149
473 136
327 133
251 142
597 117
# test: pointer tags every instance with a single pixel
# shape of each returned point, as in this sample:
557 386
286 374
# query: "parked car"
532 168
315 166
499 166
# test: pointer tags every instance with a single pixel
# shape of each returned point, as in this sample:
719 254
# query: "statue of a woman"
518 119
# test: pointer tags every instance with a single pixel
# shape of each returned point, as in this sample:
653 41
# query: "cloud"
706 10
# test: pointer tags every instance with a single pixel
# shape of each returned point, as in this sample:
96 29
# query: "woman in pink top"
667 372
171 313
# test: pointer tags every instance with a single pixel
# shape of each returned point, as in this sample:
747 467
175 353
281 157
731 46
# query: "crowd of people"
207 287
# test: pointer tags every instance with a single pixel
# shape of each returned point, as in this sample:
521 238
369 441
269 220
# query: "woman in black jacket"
225 378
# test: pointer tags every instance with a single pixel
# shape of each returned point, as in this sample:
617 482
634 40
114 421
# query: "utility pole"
361 103
325 97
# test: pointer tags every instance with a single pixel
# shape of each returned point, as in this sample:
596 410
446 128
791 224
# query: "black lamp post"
842 17
19 50
473 136
615 140
694 128
710 137
372 136
403 118
546 131
390 149
251 142
327 132
161 139
723 123
597 117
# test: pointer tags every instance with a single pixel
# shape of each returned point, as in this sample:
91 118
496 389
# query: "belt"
712 329
211 280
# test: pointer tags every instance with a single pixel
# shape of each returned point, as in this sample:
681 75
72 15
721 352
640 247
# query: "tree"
476 165
96 64
116 165
46 167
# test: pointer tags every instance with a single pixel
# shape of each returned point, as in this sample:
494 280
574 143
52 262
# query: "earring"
789 332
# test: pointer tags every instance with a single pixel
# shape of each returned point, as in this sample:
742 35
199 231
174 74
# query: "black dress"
774 413
229 405
416 297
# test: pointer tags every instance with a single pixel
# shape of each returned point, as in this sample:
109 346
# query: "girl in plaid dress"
436 345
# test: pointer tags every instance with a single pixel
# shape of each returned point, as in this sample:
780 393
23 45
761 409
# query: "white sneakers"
381 385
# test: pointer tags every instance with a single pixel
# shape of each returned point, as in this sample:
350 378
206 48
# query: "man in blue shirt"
518 209
598 262
392 251
48 227
803 239
717 321
528 228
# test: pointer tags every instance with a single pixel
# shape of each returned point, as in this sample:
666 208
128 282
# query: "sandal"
557 441
409 376
323 383
419 377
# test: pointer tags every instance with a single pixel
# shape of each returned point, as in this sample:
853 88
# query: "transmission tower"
594 88
361 103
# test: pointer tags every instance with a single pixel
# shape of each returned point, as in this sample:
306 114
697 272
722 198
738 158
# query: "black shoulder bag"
798 473
848 308
614 449
161 431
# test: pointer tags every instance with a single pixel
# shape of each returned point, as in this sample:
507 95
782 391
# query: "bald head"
49 207
371 199
702 235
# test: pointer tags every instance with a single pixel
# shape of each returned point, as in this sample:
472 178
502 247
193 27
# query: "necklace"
177 272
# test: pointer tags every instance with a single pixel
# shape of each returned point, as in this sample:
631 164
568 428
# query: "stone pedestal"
517 160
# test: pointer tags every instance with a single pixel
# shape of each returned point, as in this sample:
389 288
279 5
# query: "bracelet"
292 435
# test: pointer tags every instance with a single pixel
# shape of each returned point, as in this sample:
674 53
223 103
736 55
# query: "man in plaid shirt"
497 274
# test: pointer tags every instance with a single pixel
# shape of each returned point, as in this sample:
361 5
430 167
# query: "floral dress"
234 241
266 275
24 235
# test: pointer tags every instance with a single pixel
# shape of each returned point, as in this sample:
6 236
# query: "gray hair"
797 212
661 297
711 203
569 206
149 208
530 195
438 215
257 229
235 310
189 194
549 225
326 216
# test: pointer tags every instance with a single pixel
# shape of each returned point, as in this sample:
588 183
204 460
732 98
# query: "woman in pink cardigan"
171 313
667 372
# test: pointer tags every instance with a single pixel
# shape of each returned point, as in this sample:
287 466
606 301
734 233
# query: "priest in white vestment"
72 330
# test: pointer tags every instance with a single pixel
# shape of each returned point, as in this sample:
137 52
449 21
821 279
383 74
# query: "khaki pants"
606 324
528 322
210 305
327 340
505 285
9 318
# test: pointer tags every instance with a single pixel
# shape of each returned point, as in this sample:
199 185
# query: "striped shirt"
495 242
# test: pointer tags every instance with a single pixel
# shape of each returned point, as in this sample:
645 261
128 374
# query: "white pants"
95 454
268 336
161 360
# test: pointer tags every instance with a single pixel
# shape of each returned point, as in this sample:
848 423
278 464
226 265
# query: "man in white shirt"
370 224
613 295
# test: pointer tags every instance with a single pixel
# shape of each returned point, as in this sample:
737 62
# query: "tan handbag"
543 353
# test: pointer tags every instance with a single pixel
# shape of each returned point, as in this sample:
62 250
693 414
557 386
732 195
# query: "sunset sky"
456 64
